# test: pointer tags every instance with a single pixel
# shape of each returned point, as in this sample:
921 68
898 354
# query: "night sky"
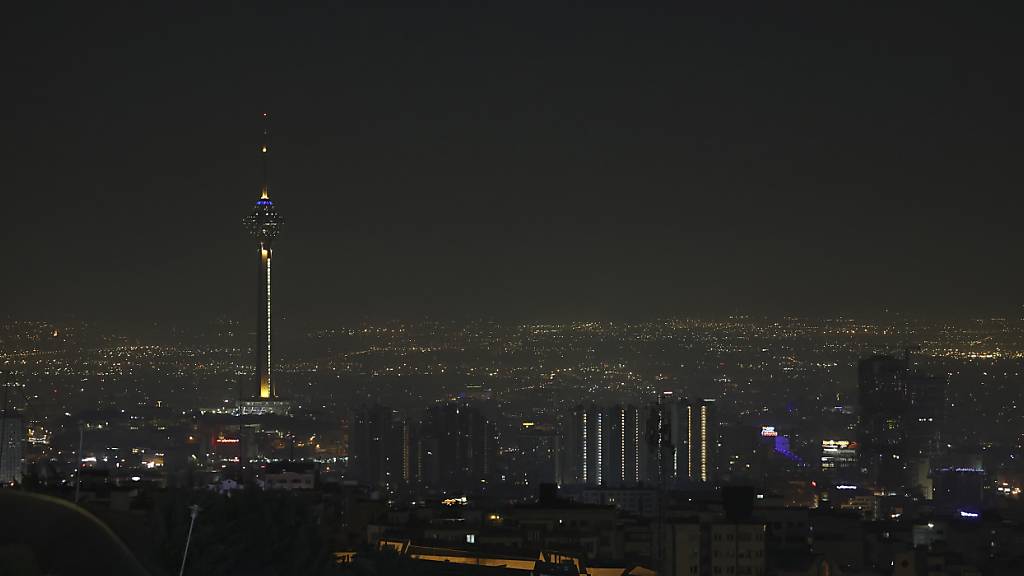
513 160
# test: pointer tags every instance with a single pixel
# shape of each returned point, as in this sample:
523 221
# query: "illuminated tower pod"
264 224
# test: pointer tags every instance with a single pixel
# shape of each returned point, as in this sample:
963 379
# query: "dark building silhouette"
379 447
901 414
456 447
926 400
883 402
12 444
533 460
959 491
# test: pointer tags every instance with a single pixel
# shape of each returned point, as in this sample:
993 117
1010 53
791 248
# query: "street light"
195 512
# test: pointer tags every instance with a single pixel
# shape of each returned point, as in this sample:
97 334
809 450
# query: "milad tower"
264 224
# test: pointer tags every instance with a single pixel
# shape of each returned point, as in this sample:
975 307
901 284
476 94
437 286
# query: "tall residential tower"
264 224
901 419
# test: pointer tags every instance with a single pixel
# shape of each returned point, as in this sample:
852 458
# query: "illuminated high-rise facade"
692 427
602 446
702 438
264 224
671 442
682 441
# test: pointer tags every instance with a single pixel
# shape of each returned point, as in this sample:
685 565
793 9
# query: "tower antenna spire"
265 155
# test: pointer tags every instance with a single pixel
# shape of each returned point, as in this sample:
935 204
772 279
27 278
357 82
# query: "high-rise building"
625 445
12 443
601 446
687 445
264 225
456 447
926 400
883 406
572 453
701 441
380 446
533 455
665 433
673 441
901 414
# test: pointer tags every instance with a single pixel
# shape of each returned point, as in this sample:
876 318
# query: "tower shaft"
264 316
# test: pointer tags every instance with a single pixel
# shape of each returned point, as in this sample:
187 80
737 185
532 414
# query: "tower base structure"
260 407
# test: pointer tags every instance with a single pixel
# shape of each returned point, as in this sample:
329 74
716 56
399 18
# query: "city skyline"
622 428
586 290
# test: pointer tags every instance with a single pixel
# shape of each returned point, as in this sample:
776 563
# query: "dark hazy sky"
513 158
